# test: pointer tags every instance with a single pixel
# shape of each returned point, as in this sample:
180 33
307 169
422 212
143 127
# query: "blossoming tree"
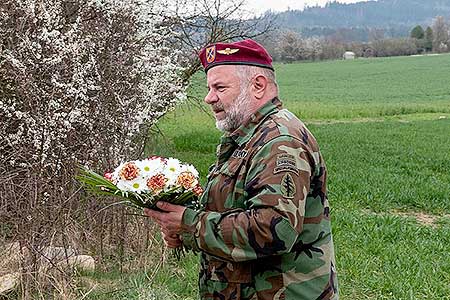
80 82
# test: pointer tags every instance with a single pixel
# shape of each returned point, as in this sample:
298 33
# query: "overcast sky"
260 6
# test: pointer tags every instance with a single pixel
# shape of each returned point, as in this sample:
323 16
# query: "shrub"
394 47
81 83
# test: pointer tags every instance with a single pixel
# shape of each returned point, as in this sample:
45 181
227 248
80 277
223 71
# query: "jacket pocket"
226 271
224 187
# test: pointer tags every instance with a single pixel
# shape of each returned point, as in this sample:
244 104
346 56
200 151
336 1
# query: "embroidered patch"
239 153
285 159
288 188
286 163
211 54
285 169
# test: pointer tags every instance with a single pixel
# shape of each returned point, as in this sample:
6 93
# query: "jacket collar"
247 129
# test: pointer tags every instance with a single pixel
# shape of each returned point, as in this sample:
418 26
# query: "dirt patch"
345 121
421 218
401 118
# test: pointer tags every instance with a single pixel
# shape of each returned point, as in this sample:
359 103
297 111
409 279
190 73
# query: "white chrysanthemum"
191 169
137 185
171 171
173 167
171 181
150 167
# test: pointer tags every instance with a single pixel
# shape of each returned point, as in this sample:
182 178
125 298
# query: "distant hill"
397 17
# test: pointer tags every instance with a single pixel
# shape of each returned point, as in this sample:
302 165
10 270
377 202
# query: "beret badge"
227 51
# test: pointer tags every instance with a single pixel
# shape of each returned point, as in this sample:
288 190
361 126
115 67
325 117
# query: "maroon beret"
246 52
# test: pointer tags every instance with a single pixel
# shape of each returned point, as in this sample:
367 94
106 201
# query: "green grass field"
384 130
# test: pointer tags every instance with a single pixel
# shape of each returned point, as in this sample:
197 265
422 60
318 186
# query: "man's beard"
235 114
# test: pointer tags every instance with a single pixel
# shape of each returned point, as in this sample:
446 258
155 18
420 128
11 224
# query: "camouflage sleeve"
276 186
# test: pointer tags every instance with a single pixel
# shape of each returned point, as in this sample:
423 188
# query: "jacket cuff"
189 220
189 225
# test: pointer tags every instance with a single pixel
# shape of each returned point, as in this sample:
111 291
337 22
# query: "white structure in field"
349 55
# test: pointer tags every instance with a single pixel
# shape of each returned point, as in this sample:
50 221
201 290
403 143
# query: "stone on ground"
8 283
84 263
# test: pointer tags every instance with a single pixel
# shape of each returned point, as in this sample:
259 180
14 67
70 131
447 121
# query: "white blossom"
84 89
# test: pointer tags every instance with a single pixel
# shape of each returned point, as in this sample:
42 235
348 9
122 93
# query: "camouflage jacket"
265 230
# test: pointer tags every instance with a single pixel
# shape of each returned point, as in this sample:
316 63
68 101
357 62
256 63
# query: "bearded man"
264 231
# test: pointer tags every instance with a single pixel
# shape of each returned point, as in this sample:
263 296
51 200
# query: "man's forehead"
221 73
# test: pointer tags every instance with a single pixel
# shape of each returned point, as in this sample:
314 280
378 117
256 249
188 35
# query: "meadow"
384 129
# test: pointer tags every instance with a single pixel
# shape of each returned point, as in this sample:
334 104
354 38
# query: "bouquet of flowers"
142 183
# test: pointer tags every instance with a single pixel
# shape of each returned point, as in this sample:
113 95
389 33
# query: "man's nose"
211 97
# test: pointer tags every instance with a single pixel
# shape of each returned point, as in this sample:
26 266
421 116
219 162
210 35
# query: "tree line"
289 46
363 14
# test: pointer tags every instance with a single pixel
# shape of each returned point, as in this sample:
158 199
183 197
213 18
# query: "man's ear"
259 86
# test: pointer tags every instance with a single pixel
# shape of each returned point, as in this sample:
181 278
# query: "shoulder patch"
287 186
286 163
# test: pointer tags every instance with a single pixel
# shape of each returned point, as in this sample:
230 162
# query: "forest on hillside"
394 17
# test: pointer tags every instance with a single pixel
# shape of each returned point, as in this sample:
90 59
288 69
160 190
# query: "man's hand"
170 221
